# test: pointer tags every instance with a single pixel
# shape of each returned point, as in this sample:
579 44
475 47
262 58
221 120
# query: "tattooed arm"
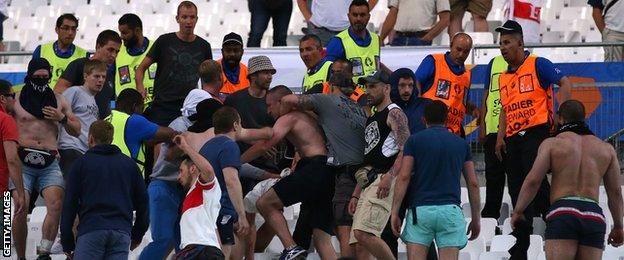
400 129
296 102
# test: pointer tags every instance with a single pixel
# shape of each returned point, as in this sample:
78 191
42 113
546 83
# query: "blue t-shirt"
138 130
426 71
547 72
439 158
335 49
61 54
222 152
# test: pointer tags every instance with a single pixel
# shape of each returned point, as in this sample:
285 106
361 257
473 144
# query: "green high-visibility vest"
493 103
320 76
365 60
119 120
125 71
57 63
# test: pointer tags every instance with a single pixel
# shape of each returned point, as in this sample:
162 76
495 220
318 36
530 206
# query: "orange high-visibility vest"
450 89
525 102
229 87
357 93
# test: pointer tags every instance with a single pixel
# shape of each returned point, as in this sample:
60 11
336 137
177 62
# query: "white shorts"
254 195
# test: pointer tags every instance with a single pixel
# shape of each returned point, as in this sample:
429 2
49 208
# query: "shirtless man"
39 112
311 183
575 224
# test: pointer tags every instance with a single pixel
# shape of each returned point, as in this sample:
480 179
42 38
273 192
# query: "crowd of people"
194 148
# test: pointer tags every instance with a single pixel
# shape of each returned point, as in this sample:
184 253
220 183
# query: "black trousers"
521 153
494 179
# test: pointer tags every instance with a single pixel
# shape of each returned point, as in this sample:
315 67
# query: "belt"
412 34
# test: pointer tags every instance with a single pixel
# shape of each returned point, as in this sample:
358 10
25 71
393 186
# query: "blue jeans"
164 209
264 10
103 244
409 41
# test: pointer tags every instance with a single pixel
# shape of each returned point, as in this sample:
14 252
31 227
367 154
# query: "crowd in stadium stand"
194 149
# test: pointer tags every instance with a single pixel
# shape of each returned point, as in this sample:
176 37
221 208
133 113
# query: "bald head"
461 44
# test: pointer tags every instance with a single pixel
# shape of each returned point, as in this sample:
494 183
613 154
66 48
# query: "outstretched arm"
280 129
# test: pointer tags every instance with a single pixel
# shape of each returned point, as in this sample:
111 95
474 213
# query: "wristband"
64 120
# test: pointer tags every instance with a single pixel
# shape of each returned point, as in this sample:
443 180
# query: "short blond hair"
210 71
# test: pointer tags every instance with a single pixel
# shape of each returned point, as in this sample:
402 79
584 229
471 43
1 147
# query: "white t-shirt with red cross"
200 209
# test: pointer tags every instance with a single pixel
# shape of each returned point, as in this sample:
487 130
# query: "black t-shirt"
74 73
178 64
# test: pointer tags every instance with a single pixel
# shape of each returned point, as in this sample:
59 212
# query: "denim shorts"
40 179
444 223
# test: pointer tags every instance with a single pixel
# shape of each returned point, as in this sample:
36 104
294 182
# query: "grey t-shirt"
343 122
163 169
85 108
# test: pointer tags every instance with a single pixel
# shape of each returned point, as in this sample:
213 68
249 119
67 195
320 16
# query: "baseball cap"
509 27
232 38
377 77
203 118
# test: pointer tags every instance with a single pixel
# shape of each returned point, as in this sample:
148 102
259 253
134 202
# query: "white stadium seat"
474 248
488 229
502 243
536 246
494 256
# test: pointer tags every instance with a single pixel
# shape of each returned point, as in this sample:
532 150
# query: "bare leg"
448 253
374 245
19 227
343 234
53 197
416 251
480 23
264 235
227 251
361 252
270 206
322 243
238 249
247 242
588 253
561 249
455 25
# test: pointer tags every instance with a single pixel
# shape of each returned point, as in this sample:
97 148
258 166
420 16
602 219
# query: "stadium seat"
275 246
29 3
535 247
502 243
109 22
464 256
575 3
66 2
474 248
613 255
554 4
494 256
539 226
481 37
541 256
571 13
488 229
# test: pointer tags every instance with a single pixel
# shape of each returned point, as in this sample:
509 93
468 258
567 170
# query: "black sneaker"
44 257
293 253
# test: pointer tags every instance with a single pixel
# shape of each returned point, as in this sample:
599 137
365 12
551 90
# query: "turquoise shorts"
444 223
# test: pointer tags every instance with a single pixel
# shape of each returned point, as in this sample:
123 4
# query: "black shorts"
312 184
199 252
576 220
345 185
225 226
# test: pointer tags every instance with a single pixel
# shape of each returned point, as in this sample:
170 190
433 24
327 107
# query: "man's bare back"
578 164
37 133
304 134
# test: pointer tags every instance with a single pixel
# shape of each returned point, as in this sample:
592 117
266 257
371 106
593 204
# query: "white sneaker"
57 248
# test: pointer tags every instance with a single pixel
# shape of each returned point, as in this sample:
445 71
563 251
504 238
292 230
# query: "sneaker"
285 172
44 257
57 248
293 253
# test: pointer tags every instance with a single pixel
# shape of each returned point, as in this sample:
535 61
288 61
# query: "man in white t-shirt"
209 86
326 18
200 208
527 14
609 20
415 22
